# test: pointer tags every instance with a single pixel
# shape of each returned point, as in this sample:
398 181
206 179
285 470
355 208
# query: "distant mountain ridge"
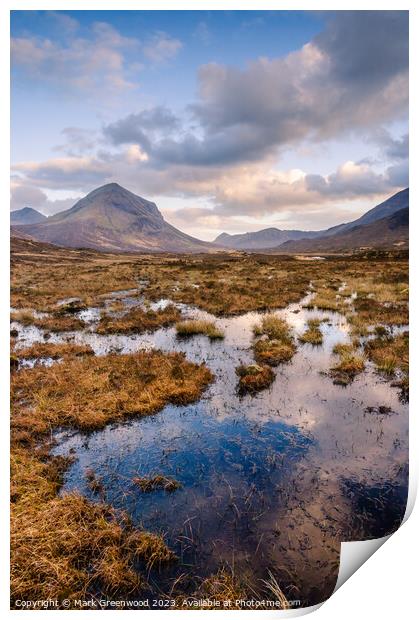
384 209
273 237
386 232
266 238
112 218
27 215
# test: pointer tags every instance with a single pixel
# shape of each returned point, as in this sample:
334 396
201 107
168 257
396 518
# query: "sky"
231 121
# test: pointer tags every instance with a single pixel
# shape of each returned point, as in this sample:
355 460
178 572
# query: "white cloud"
96 61
242 119
161 47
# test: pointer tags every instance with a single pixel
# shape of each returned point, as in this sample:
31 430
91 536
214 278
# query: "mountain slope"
27 215
384 209
385 232
112 218
274 237
266 238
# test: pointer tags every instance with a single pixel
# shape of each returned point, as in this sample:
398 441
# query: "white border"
386 585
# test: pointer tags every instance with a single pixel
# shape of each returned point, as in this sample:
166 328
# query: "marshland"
203 426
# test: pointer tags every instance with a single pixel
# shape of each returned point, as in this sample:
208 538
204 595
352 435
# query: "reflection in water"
269 482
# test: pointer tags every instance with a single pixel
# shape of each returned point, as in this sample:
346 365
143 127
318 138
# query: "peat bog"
142 467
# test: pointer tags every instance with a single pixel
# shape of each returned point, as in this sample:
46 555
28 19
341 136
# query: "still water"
272 482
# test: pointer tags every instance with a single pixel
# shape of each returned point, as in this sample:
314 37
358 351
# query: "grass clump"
54 351
195 327
254 378
90 393
325 299
138 320
350 364
313 334
273 327
390 354
222 586
68 547
146 485
93 482
54 322
273 352
275 344
150 548
59 544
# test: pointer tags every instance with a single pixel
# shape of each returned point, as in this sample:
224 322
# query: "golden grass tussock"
217 589
54 322
275 589
54 351
275 344
68 547
313 334
90 393
146 485
273 327
150 548
254 378
138 321
195 327
389 353
325 299
62 547
350 364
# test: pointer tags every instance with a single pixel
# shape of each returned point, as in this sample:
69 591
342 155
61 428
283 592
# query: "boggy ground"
69 547
66 546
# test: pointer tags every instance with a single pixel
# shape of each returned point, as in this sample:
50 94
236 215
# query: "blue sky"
230 121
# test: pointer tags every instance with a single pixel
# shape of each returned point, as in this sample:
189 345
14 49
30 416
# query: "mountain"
382 233
384 209
266 238
27 215
112 218
273 237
